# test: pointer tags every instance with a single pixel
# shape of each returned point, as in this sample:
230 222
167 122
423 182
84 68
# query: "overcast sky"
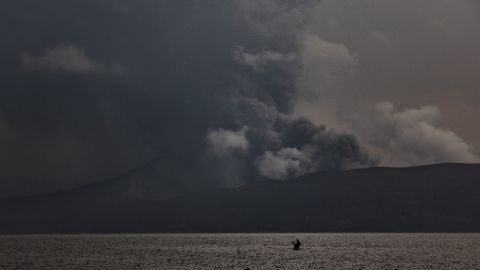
225 92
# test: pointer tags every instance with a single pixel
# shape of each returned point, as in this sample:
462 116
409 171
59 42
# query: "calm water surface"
240 251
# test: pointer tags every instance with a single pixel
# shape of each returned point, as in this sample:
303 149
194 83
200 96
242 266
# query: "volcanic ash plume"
268 74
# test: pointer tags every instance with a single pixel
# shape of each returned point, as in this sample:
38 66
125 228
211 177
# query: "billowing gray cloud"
269 86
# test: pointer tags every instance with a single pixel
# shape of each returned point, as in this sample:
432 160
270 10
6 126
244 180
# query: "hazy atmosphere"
226 92
239 134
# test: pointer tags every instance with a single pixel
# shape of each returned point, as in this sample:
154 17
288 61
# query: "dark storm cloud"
58 123
93 88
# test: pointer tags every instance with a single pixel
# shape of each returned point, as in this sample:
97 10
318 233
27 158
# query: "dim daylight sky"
223 92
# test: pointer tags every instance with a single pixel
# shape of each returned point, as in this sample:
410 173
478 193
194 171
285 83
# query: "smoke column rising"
269 74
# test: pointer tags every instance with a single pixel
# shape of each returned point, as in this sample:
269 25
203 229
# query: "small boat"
296 245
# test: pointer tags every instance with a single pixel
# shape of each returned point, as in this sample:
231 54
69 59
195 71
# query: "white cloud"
415 137
287 162
65 58
224 142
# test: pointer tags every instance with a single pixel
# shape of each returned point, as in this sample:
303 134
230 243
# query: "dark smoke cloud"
93 88
282 145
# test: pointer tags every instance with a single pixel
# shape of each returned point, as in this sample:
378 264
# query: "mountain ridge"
437 198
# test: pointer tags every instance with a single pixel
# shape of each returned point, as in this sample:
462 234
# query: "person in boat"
296 245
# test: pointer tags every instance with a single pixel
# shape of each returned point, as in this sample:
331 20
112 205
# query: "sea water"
241 251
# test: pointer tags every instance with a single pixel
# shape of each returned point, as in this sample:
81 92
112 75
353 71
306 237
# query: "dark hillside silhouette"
436 198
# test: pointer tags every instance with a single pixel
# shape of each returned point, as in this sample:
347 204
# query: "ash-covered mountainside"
434 198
